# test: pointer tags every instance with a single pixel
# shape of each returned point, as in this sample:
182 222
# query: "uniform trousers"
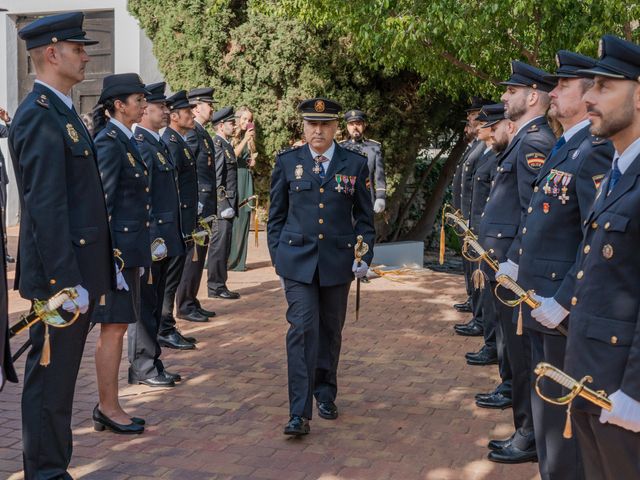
187 293
467 268
316 317
558 458
493 333
47 398
173 278
219 250
143 347
608 452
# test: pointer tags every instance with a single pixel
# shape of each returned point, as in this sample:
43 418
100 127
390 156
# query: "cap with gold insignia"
569 64
319 109
524 75
64 27
204 94
618 59
178 100
355 116
491 114
223 115
121 84
477 103
156 92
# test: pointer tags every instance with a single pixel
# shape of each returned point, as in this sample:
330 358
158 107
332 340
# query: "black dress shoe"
467 324
187 339
495 400
194 316
496 445
138 420
172 376
463 307
473 331
175 340
512 454
10 259
101 422
483 357
502 389
327 410
157 381
224 293
206 313
297 426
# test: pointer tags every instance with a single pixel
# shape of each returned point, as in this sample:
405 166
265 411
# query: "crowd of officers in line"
560 215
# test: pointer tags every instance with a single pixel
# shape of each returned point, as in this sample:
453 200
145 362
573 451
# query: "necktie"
134 144
615 176
320 159
561 141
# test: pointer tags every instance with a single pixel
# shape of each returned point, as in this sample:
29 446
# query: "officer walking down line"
319 204
604 333
64 233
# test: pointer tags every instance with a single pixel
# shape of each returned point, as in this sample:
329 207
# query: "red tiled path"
405 399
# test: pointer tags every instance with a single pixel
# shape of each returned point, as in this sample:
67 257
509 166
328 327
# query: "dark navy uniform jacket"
469 167
482 178
201 144
313 222
554 219
6 363
377 181
185 165
226 175
604 333
165 203
517 168
126 190
64 231
456 183
4 175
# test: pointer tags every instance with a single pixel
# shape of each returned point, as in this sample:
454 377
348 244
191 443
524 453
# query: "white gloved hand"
550 313
625 412
160 251
360 271
508 268
379 205
121 282
81 301
141 271
228 213
200 207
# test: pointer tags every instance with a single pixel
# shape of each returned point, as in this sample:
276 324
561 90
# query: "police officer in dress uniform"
7 372
474 327
319 204
604 331
144 347
526 101
64 233
126 192
174 137
187 304
494 346
356 121
227 191
4 180
562 196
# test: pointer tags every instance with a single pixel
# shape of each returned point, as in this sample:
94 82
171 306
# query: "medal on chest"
317 168
339 187
566 178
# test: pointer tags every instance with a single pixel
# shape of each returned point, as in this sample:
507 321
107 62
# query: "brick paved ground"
406 408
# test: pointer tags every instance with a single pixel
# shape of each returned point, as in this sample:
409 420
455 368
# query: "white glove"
160 251
200 207
121 282
360 271
227 213
550 313
625 412
379 205
141 271
508 268
81 301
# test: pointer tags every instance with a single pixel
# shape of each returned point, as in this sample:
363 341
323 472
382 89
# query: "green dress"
240 233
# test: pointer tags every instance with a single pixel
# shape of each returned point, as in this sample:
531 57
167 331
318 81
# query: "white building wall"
132 53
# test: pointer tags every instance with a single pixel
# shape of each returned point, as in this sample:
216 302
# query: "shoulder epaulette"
533 128
289 149
598 141
173 138
43 101
217 142
112 133
374 141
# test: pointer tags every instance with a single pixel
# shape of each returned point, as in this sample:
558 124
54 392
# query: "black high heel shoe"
101 421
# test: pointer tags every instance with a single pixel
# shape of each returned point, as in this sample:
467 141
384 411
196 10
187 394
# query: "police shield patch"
535 160
597 180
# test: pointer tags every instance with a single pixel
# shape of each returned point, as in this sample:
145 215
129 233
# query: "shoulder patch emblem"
43 101
140 137
112 133
535 160
597 180
73 134
533 128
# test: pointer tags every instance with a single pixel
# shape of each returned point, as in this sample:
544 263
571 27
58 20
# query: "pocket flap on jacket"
291 238
299 185
164 217
345 241
84 236
613 332
612 222
127 226
501 230
552 269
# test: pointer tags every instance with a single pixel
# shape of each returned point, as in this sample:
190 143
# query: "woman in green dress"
245 148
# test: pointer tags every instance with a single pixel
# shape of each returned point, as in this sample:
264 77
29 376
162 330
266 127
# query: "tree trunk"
423 228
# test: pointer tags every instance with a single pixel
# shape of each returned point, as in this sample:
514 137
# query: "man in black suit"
201 144
4 180
64 233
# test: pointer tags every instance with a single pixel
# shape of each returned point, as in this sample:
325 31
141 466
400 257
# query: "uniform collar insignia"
575 154
140 137
112 133
43 101
173 138
533 128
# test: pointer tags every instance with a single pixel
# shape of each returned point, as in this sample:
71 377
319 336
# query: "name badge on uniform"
298 172
73 134
132 160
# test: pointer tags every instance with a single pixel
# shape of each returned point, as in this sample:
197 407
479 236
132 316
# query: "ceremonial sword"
359 251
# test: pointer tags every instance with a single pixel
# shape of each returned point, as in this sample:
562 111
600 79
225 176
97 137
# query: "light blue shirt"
575 129
328 155
155 135
124 129
628 156
65 99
